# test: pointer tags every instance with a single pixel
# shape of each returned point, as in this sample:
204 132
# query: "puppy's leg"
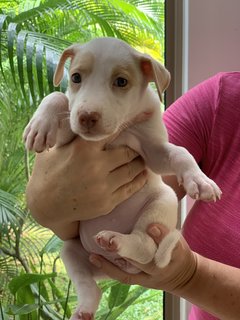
138 245
81 272
169 159
49 124
165 158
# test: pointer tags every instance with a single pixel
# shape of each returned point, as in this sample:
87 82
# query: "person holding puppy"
209 284
206 122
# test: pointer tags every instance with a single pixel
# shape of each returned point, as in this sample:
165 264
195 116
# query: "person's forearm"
214 287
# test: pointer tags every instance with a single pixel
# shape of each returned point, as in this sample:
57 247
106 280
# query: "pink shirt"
206 121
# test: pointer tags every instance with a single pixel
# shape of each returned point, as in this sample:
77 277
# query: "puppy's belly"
121 219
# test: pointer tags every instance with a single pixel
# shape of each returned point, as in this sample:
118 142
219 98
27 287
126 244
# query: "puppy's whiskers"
65 119
64 116
64 113
126 125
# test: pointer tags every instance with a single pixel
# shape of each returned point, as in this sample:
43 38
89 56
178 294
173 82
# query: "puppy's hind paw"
107 240
82 316
126 266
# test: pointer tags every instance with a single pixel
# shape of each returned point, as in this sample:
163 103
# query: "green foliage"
33 39
33 34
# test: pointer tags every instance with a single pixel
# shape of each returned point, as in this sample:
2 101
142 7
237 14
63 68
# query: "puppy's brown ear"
67 53
154 71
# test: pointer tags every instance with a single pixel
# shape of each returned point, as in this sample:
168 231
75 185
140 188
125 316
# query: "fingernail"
155 232
95 261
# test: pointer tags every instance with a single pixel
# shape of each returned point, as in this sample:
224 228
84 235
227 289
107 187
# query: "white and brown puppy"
110 98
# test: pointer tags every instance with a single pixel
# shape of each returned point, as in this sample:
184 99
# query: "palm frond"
112 17
13 118
32 42
10 212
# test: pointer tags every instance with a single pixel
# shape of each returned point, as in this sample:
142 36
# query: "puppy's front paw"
40 134
199 187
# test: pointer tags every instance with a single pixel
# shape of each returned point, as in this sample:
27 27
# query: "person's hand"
172 278
82 181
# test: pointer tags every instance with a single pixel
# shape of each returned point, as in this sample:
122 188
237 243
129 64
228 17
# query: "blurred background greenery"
33 282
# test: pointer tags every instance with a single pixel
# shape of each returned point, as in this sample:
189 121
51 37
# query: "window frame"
176 61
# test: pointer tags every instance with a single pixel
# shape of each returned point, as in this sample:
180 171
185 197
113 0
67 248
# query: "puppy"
110 98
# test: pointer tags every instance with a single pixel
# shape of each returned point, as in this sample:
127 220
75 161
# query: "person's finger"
126 173
120 156
127 190
115 273
157 232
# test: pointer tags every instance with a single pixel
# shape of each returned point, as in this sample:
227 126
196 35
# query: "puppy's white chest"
126 138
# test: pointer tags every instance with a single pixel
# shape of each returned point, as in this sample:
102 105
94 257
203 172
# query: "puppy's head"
108 86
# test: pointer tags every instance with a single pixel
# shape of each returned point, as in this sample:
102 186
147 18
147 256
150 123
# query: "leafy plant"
33 33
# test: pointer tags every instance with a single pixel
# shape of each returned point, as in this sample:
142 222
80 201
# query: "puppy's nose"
88 119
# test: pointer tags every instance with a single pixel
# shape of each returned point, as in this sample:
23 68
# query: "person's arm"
211 285
81 181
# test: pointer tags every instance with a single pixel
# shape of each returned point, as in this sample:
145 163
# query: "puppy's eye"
120 82
76 77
